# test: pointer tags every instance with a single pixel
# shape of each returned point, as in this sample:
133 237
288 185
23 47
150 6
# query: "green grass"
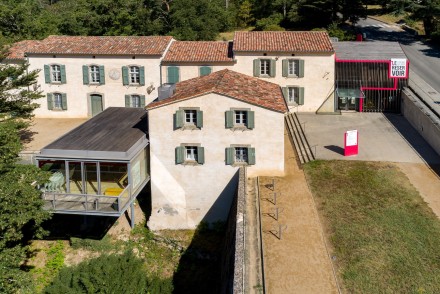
384 236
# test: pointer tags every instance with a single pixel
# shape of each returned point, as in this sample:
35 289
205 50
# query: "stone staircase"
296 133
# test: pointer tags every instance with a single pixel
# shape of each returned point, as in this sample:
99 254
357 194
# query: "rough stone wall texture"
232 279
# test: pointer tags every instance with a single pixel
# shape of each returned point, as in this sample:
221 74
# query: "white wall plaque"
352 138
398 68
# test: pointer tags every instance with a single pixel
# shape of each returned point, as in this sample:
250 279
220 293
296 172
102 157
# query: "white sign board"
398 68
352 138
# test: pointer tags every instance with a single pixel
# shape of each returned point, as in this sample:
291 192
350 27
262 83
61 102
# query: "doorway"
96 104
347 103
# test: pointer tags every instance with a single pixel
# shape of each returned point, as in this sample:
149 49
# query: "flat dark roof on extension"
369 50
113 133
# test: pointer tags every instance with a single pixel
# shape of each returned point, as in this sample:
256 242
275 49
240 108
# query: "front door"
96 104
347 103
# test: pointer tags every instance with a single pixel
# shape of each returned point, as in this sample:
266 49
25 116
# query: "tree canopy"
21 211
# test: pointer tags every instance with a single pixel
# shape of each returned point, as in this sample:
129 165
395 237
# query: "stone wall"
232 279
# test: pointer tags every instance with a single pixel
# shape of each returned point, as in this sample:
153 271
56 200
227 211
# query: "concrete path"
298 262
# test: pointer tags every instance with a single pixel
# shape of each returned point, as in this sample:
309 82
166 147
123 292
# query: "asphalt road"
424 58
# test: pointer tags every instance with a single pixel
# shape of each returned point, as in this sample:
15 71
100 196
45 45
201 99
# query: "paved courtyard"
382 137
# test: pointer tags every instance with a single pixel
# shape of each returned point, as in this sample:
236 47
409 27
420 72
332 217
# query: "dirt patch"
122 229
74 257
295 261
426 181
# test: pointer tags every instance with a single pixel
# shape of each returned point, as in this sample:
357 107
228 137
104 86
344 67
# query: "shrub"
123 273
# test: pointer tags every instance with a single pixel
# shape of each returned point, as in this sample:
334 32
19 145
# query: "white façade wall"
113 91
318 80
181 195
191 70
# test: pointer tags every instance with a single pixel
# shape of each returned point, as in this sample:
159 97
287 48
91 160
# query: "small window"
240 119
190 154
188 119
55 71
95 76
294 95
56 101
293 68
240 155
134 75
205 70
264 67
135 100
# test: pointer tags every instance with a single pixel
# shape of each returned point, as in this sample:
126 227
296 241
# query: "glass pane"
75 179
57 181
114 178
138 170
90 178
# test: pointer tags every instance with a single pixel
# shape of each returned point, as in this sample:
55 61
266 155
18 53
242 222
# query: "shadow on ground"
416 141
199 268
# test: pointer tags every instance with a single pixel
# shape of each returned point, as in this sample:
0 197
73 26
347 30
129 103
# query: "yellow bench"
113 191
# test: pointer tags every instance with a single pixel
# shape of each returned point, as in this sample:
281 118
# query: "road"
424 59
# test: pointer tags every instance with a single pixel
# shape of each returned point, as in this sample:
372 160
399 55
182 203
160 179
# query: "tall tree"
21 211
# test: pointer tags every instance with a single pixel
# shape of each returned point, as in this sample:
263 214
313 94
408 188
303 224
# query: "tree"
117 273
21 211
195 20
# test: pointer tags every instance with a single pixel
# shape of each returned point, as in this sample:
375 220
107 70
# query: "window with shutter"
240 155
85 70
239 119
173 74
190 154
205 70
292 95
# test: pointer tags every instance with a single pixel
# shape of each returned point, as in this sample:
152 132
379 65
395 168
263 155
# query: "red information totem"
351 143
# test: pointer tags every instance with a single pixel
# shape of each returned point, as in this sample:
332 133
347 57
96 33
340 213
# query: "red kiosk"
351 143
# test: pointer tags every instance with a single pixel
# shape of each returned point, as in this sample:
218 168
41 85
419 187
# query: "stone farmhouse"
177 118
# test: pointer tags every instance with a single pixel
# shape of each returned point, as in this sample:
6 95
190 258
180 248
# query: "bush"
108 274
271 23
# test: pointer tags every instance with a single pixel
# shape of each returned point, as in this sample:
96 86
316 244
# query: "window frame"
292 72
298 95
53 78
57 100
134 75
94 74
245 116
265 67
194 151
245 153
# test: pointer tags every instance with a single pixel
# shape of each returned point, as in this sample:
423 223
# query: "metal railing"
87 203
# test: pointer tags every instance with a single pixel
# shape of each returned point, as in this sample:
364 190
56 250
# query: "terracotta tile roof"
199 51
316 41
17 50
103 45
232 84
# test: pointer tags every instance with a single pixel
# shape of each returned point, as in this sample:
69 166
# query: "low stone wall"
422 118
232 279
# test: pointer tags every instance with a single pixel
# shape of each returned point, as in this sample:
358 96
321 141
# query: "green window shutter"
85 75
63 74
199 119
229 155
200 155
180 152
300 96
142 97
273 68
141 75
251 156
250 122
47 74
300 68
64 101
205 70
173 74
101 75
49 101
256 67
127 101
125 75
285 64
178 119
229 119
285 93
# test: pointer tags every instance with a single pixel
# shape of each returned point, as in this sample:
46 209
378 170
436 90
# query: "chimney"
166 91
